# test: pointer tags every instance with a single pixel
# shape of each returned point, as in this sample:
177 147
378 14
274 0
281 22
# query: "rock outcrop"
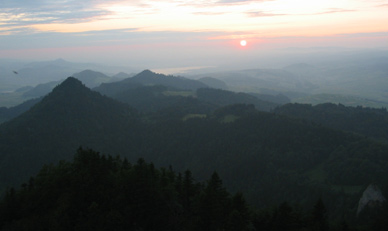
371 198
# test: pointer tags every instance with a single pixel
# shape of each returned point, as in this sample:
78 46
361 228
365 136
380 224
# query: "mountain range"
148 91
269 156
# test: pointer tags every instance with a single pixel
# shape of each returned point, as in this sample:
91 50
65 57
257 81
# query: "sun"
243 43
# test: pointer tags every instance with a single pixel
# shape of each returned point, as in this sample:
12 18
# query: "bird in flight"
15 72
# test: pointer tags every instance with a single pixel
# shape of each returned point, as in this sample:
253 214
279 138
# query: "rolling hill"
269 157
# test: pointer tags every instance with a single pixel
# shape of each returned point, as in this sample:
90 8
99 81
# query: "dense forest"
287 163
101 192
370 122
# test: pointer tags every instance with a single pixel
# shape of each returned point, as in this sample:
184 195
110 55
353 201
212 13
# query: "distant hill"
149 78
12 112
43 72
41 89
224 98
91 78
121 76
34 73
361 77
255 79
214 83
365 121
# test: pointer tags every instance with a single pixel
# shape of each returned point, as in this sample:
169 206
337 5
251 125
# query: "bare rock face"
371 198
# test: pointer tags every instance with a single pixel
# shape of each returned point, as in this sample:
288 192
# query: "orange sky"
187 26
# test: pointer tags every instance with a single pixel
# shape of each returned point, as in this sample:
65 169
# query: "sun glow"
243 43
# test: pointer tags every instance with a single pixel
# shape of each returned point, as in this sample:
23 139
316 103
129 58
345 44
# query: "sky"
182 33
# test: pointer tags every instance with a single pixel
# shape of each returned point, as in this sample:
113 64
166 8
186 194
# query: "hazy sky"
159 33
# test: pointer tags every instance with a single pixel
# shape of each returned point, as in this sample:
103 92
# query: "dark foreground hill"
105 193
269 157
100 192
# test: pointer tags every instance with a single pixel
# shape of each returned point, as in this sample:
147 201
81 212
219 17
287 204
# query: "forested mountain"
366 121
70 116
223 98
156 98
101 192
271 158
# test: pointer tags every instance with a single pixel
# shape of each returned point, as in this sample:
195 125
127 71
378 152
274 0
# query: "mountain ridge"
70 116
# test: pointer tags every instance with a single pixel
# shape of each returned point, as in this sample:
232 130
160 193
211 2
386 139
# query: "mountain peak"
70 87
60 60
147 74
147 71
71 82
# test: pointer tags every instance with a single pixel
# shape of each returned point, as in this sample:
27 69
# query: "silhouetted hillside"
105 193
70 116
148 78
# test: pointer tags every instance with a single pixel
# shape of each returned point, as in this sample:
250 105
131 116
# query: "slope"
269 157
70 116
366 121
12 112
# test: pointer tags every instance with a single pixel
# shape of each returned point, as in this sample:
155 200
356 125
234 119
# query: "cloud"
241 1
367 34
262 14
26 12
234 1
125 37
335 10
